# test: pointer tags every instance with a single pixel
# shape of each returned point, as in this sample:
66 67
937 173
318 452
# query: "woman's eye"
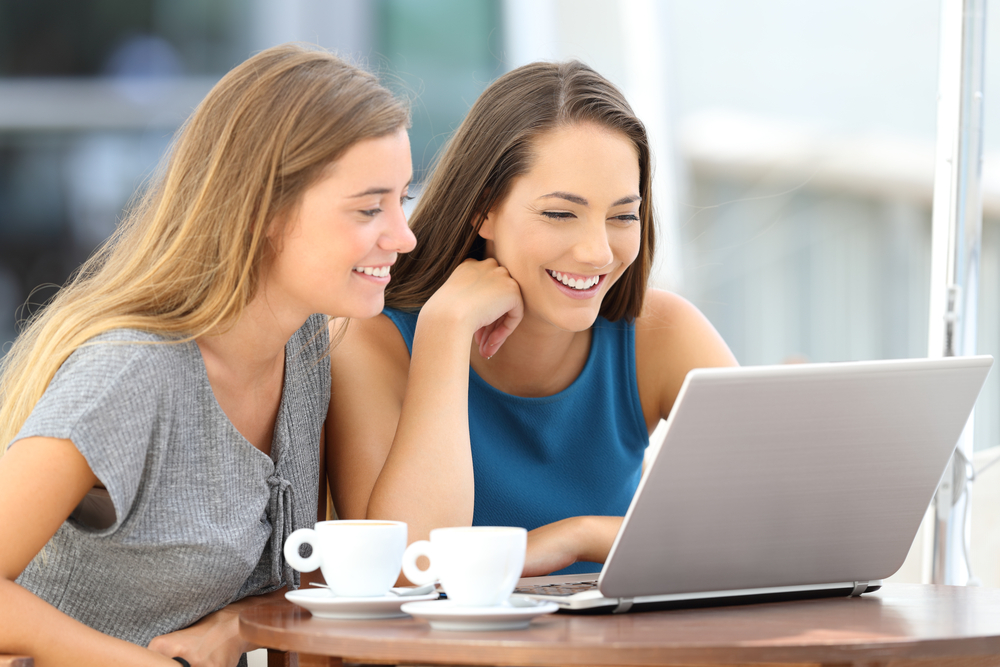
558 215
371 212
406 198
627 218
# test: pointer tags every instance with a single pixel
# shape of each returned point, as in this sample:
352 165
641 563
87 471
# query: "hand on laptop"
580 538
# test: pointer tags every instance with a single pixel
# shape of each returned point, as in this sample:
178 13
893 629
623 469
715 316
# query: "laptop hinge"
859 588
623 605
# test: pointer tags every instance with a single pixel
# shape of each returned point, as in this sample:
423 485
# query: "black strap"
182 661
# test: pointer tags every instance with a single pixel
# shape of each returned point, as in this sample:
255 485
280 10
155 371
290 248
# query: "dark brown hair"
493 146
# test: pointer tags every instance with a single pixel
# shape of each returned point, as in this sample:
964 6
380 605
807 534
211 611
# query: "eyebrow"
627 200
577 199
372 191
378 191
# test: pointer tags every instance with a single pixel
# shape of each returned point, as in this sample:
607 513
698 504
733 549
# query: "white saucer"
324 604
514 614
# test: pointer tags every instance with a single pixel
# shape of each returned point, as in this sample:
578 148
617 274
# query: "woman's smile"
379 274
577 286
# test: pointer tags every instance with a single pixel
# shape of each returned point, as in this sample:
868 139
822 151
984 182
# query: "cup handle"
291 550
410 569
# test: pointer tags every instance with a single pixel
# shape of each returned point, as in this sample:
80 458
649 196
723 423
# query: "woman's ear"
487 229
487 226
275 227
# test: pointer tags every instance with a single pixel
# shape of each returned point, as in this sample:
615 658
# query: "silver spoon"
404 591
401 591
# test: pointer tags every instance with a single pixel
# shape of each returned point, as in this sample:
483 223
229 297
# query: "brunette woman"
523 361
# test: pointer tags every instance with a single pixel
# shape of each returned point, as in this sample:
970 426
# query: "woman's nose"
398 236
593 248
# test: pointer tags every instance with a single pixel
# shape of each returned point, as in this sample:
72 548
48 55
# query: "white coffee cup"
358 558
478 566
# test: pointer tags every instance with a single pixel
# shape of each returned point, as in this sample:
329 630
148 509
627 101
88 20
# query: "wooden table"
900 625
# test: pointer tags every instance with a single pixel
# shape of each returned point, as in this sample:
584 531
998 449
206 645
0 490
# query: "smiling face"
333 255
569 227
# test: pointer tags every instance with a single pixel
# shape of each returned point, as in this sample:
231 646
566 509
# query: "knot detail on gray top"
279 507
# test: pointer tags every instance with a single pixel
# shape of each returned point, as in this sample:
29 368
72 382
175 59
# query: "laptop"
782 482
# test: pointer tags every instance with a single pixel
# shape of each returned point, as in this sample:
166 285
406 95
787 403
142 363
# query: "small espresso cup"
358 558
478 566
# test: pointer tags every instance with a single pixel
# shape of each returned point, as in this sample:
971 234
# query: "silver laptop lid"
792 475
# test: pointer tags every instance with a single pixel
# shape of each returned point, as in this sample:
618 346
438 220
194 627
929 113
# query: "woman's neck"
245 364
537 359
253 346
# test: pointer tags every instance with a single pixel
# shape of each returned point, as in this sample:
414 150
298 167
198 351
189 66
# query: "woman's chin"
360 310
575 320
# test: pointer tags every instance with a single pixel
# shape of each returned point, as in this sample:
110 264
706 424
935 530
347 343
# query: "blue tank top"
577 452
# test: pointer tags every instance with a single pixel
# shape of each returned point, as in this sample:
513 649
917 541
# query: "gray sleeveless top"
200 514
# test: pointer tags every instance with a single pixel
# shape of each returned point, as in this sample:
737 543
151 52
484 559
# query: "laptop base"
593 603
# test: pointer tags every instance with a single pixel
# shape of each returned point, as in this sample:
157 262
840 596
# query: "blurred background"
794 142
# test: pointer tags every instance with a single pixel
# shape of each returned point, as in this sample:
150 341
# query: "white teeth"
376 271
578 284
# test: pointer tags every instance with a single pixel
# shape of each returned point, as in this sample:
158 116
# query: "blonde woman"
522 362
163 416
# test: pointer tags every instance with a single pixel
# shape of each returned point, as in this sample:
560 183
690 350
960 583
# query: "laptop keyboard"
558 589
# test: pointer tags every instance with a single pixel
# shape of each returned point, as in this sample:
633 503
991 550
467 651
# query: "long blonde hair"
493 146
188 256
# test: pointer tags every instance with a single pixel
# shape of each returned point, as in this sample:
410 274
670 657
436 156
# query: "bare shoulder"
672 337
373 343
665 312
369 353
670 319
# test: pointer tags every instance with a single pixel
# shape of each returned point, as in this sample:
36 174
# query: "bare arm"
398 430
54 476
578 538
368 379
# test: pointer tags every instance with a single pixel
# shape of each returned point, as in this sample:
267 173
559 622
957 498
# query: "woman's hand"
482 296
215 640
579 538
